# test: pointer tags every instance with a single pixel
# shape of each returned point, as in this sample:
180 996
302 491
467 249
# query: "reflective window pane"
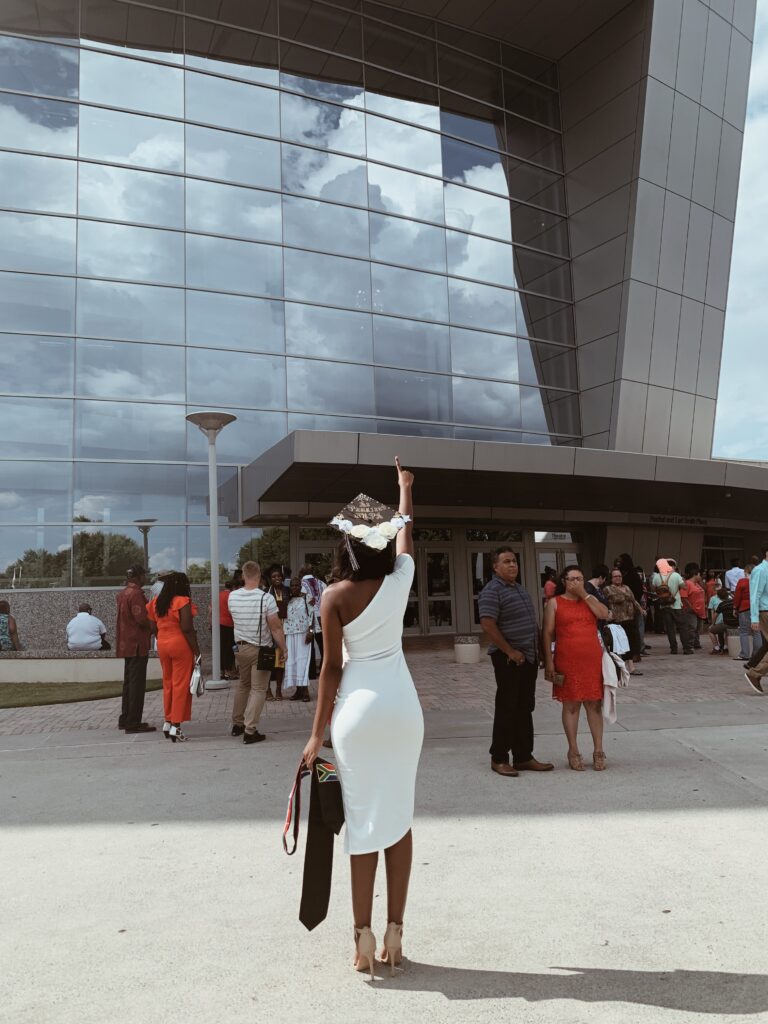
228 104
537 411
138 196
107 493
234 266
327 279
119 26
197 494
469 256
35 492
395 240
540 229
32 66
534 142
116 369
324 125
401 144
407 194
237 544
234 321
36 428
531 100
235 378
260 17
44 126
38 182
326 175
229 210
31 302
116 250
465 73
538 272
314 386
484 355
135 312
57 18
479 305
477 211
403 98
243 441
411 344
32 365
315 225
101 554
389 47
125 430
223 50
41 244
409 293
529 64
134 84
335 333
413 396
310 421
536 185
485 403
303 71
545 318
332 29
131 139
472 121
231 157
470 165
35 556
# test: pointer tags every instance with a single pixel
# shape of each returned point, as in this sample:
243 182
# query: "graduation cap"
369 522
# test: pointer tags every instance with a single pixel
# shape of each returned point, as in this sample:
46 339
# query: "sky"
741 425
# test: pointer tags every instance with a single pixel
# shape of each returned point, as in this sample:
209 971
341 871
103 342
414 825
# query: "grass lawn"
32 695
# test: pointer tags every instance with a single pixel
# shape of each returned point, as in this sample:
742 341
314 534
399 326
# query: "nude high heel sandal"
393 946
365 943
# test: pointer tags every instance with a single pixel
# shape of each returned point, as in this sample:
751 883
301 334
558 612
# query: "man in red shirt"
694 602
132 637
747 638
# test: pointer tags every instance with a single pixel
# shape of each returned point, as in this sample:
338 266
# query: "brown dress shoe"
502 768
534 766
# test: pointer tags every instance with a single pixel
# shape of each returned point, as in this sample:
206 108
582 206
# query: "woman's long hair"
560 588
175 585
372 565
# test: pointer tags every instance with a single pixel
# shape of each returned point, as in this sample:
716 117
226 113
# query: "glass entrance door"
438 590
319 557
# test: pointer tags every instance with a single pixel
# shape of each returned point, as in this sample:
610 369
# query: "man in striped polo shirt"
508 618
256 625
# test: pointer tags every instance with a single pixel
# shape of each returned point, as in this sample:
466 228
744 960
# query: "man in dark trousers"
132 637
508 618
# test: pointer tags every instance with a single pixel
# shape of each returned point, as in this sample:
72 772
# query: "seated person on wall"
85 632
9 637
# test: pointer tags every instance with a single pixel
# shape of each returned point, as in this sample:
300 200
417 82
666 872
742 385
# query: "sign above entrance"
678 521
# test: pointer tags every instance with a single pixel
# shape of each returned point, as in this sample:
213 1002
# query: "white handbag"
196 684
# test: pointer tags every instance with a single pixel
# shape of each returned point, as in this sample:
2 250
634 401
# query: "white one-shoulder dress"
377 726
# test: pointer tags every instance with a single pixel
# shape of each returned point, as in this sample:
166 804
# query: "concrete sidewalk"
148 882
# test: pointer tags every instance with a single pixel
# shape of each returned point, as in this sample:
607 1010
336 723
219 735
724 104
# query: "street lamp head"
206 421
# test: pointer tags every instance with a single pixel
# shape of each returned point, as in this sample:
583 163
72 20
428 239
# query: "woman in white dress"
377 726
297 624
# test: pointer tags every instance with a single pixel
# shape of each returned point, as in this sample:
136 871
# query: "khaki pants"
251 689
761 668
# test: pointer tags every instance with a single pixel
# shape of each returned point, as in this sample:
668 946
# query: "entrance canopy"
312 474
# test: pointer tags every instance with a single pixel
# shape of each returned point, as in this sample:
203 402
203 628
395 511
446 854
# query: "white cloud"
741 427
10 499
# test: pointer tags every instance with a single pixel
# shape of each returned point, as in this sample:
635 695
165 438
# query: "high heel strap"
365 943
393 946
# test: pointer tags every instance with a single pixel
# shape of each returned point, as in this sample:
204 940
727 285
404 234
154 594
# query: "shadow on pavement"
712 992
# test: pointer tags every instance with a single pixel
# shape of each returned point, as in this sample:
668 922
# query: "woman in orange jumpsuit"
172 612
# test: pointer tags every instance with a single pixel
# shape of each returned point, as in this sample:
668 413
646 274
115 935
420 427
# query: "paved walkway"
444 688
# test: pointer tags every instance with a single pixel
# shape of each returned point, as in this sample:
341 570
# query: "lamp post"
145 525
211 423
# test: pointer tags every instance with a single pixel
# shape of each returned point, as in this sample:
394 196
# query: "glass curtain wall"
315 215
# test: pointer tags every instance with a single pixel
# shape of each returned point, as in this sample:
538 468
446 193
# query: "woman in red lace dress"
575 667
